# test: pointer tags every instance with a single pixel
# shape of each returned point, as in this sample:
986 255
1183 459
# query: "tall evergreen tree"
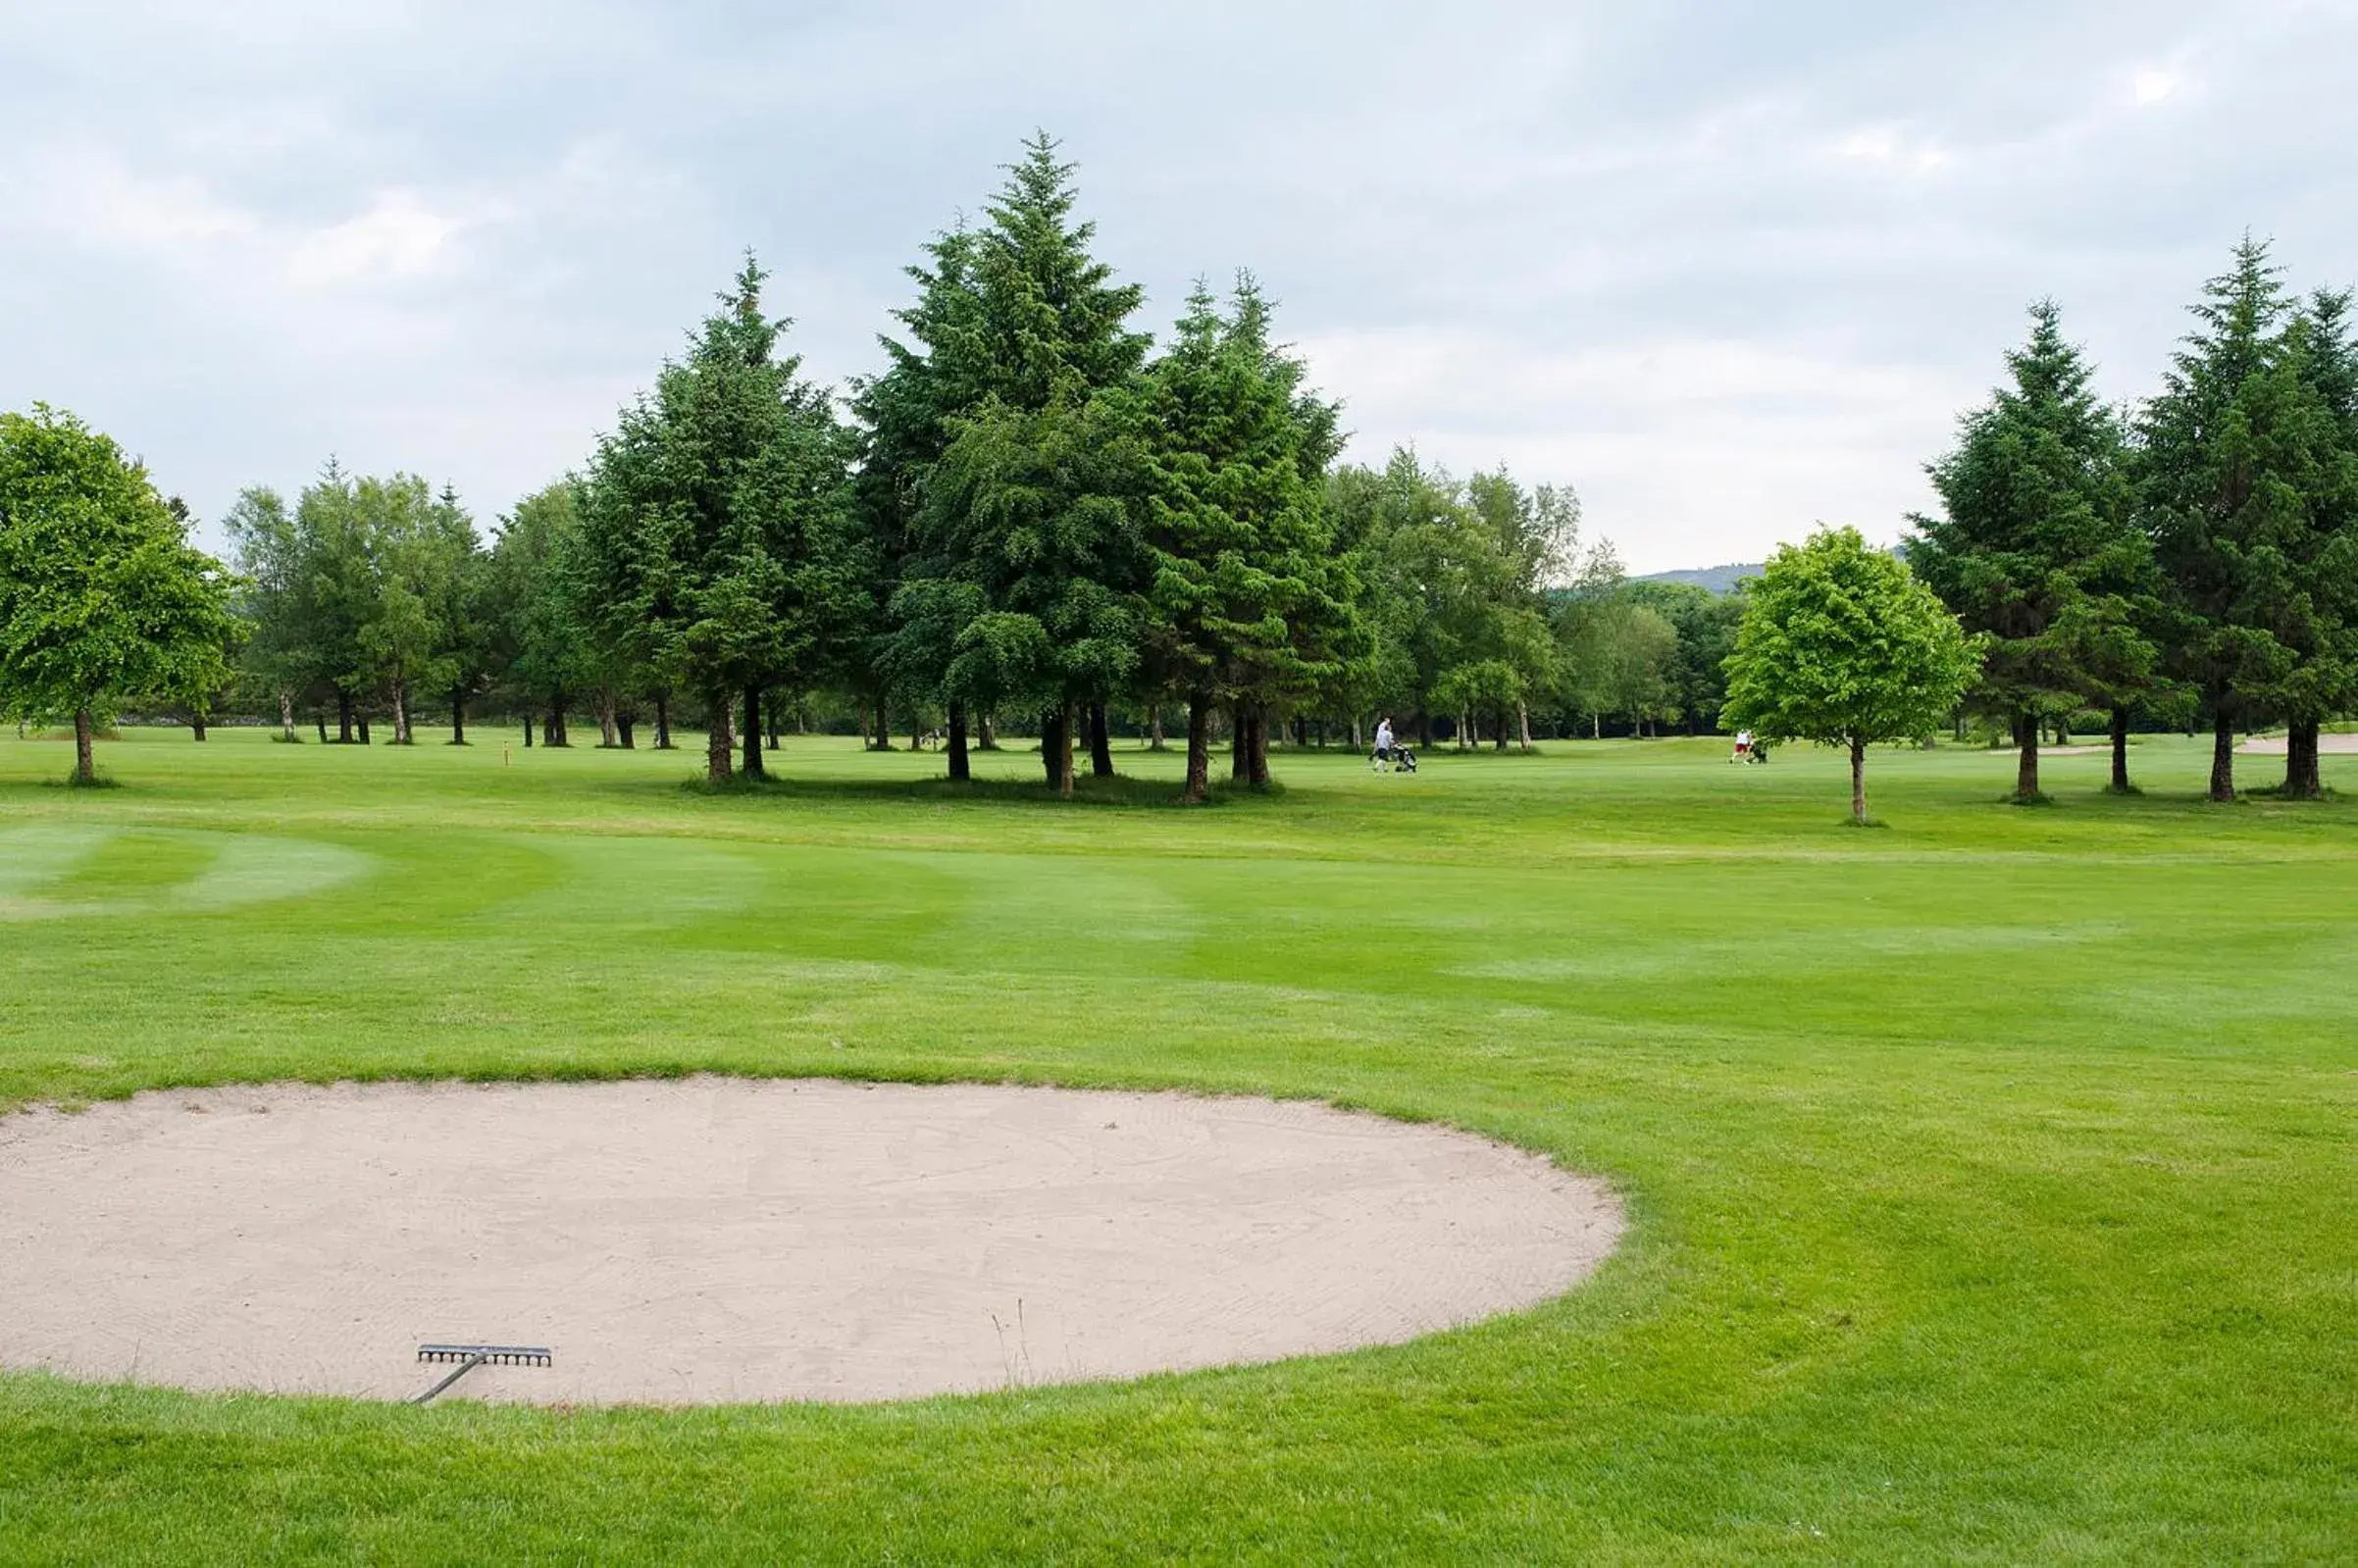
2219 461
1246 600
2317 597
2035 544
1025 511
717 519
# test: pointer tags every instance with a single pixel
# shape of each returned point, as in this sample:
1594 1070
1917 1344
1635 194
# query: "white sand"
713 1239
2328 745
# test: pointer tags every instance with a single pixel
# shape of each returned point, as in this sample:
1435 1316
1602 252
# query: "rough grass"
1992 1174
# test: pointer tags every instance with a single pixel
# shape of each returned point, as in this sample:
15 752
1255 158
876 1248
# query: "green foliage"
2035 547
1841 646
1005 442
715 545
1243 598
102 598
1704 624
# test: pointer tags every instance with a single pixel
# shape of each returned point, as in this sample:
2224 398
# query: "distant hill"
1718 579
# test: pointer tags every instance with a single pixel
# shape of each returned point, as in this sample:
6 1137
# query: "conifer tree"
1028 504
2318 596
1245 601
2034 545
2220 462
716 522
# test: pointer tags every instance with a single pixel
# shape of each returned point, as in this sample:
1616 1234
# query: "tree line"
1034 516
1029 516
2192 558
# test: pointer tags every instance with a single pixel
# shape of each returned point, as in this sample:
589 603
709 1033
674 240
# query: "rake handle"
456 1372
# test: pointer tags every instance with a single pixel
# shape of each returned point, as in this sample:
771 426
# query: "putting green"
57 872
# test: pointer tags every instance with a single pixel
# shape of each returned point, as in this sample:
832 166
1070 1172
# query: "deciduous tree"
102 598
1841 646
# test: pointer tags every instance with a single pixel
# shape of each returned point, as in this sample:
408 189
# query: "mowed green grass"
1993 1172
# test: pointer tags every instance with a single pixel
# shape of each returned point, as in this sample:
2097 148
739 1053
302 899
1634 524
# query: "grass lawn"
1993 1172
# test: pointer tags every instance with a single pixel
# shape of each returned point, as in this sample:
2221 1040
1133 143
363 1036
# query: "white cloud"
1895 147
397 237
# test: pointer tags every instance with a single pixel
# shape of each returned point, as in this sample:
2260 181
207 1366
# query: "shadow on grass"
1119 792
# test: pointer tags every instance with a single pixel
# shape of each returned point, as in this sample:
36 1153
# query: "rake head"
495 1355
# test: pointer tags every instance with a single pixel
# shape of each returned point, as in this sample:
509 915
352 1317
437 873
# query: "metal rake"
471 1356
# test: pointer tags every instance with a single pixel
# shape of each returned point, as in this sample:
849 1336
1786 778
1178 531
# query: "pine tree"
2034 545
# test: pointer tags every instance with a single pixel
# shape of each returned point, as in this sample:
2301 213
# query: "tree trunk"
2223 757
364 730
2025 770
773 711
1240 743
1199 749
1052 741
883 724
718 742
2121 785
197 726
988 740
1260 749
1101 743
528 731
458 716
85 769
662 720
400 712
607 739
1497 734
1857 778
1064 750
1357 743
320 719
552 729
754 769
624 723
960 769
1522 724
343 717
1154 726
1596 727
2302 779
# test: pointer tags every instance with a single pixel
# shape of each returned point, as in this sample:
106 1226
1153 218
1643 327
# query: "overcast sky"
1726 270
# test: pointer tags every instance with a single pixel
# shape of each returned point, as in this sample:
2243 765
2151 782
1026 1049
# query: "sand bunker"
2328 745
713 1239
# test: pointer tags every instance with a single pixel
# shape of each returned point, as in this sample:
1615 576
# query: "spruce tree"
2034 545
715 522
1246 600
1025 512
2318 592
2222 463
